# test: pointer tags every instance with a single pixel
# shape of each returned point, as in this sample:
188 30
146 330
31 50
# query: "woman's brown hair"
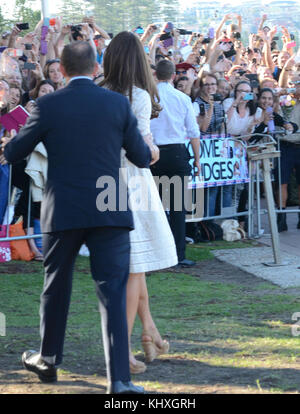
126 65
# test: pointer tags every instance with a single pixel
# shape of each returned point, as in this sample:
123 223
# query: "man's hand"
15 32
3 142
197 167
288 126
30 106
289 63
66 29
86 32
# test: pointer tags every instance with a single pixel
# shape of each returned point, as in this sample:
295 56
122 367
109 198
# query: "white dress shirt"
79 77
177 120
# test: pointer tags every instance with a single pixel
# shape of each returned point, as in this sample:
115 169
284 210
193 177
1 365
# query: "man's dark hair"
78 58
165 69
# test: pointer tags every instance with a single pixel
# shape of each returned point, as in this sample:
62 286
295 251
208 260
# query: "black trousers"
109 259
174 162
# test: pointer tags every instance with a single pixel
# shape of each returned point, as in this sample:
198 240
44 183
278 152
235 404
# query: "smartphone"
290 90
258 113
202 109
52 22
206 67
290 44
146 49
206 40
248 96
252 76
29 66
23 26
211 33
15 53
230 53
28 46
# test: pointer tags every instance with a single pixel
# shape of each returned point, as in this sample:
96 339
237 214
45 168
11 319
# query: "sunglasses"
49 62
178 72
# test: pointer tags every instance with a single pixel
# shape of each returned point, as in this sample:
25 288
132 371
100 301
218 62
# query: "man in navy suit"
83 128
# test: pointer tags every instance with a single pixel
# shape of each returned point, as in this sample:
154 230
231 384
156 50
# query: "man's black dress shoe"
33 362
186 263
121 387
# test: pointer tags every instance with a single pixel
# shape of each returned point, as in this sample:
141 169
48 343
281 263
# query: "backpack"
204 231
193 231
232 230
211 231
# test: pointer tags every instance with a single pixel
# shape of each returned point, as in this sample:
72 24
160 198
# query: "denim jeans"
213 193
4 180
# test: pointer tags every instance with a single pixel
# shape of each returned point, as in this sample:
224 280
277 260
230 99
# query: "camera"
23 26
236 35
230 53
29 66
206 40
139 30
217 97
254 84
28 46
165 36
185 32
76 31
248 96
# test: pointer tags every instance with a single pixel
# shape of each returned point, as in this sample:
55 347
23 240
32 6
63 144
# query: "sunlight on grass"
210 324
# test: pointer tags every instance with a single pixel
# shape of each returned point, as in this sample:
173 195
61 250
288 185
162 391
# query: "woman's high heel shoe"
138 368
151 349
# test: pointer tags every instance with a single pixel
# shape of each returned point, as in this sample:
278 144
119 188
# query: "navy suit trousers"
109 258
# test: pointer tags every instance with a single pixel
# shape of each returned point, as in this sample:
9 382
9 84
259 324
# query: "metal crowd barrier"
253 212
6 221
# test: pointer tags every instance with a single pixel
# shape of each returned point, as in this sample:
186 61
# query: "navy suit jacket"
83 128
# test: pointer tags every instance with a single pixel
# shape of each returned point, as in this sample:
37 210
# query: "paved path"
256 260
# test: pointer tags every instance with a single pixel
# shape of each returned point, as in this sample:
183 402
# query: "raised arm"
287 68
219 29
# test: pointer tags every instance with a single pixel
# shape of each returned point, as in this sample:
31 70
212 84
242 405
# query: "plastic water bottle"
271 125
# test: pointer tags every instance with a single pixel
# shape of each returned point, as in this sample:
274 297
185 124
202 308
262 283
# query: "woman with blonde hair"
127 71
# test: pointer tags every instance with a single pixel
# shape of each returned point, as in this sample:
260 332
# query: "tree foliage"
117 15
25 13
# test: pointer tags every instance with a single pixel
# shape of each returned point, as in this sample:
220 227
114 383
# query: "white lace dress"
152 243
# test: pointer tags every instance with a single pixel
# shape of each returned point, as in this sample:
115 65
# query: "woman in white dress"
127 71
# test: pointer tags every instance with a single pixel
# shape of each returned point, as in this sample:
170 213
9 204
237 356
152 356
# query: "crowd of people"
180 85
237 87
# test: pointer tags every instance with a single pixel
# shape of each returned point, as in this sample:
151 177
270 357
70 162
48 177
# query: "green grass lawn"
214 323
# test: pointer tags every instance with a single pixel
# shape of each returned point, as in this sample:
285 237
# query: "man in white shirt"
176 123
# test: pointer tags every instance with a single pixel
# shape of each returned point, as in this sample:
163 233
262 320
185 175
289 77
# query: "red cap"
185 66
225 40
